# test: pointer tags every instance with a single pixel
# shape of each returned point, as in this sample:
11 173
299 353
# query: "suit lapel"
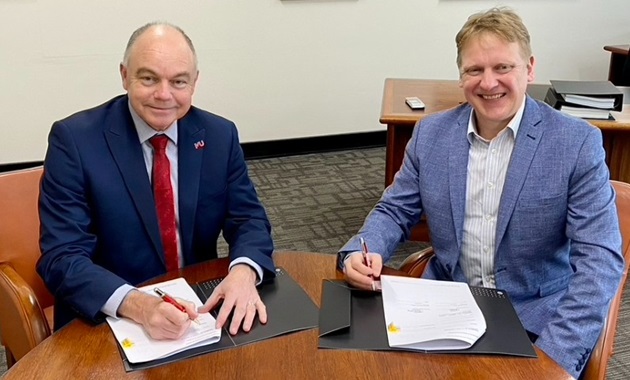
458 173
527 140
124 144
190 148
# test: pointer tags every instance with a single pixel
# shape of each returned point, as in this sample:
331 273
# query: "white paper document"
430 315
139 347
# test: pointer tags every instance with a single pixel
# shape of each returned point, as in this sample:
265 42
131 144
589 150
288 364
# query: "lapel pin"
199 144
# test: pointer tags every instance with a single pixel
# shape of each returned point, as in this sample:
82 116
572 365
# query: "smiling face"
160 75
494 75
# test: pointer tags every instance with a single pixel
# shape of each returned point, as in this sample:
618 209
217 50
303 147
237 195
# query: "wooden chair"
595 369
26 312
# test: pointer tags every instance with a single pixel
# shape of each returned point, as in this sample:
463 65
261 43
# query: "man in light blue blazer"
100 230
516 196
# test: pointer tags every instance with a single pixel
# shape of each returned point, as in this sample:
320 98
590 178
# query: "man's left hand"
238 292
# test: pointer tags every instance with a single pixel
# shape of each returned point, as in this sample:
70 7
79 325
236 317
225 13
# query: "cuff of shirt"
113 302
342 261
252 264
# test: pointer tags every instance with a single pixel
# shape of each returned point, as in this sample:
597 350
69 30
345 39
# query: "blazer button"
578 368
448 267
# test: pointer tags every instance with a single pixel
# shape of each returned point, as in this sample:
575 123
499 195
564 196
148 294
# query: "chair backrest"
23 295
596 367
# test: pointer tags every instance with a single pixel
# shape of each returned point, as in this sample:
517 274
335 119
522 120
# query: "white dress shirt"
488 162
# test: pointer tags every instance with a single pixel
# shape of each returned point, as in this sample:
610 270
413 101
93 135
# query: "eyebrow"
144 70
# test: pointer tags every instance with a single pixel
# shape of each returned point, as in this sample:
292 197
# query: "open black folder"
353 319
289 309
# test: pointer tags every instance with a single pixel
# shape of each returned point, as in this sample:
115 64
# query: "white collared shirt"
488 162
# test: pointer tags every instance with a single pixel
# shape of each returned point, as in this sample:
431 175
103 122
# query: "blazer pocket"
554 286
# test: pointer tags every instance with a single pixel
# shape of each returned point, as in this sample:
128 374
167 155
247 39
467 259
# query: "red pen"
166 298
376 284
364 251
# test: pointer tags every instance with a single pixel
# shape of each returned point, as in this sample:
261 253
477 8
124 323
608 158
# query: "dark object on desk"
593 89
354 320
558 102
625 72
289 309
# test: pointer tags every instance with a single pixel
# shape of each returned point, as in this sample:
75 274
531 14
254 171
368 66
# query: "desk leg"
617 147
397 138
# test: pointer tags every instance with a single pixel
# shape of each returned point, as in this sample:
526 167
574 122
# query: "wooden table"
440 95
618 54
82 351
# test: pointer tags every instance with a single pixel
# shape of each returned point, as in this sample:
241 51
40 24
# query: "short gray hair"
138 32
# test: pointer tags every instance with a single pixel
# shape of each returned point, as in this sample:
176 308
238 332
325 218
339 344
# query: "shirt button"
490 185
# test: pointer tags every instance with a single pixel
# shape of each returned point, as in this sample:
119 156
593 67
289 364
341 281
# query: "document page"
139 347
430 315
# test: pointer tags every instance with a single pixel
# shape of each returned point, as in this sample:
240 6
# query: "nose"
488 79
162 91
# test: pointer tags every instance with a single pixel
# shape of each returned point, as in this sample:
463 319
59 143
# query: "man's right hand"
160 319
358 274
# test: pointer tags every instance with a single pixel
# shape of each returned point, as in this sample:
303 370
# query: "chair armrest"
415 264
23 324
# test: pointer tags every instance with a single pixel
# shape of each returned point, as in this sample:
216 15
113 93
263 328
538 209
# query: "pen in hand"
376 284
166 298
364 251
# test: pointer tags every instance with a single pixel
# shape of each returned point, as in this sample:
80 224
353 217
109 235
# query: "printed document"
139 347
430 315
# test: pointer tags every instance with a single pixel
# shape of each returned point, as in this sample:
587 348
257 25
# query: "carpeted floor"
316 202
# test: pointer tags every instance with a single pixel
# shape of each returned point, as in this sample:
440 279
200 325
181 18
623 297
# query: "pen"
364 251
166 298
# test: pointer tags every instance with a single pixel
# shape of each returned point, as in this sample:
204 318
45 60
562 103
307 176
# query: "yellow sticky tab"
392 328
126 343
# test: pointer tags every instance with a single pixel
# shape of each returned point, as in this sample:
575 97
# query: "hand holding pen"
376 284
166 298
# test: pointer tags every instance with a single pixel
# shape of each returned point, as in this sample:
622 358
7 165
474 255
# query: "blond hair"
504 23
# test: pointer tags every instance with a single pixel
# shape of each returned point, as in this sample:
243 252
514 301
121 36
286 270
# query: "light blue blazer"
558 241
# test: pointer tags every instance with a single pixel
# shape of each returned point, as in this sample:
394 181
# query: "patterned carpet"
316 202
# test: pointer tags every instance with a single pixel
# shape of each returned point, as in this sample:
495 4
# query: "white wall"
279 69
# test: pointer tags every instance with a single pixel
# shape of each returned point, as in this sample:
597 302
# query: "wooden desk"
618 54
81 351
439 95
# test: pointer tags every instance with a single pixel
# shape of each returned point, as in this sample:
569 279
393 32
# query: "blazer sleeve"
246 227
66 243
593 229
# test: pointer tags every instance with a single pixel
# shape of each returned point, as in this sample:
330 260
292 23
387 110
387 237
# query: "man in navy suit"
100 233
516 196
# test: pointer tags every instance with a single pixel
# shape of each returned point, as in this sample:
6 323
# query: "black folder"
595 89
353 319
289 309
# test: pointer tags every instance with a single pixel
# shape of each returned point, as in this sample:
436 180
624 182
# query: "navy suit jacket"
558 241
99 226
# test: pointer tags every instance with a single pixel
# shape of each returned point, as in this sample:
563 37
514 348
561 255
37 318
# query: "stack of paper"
140 347
430 315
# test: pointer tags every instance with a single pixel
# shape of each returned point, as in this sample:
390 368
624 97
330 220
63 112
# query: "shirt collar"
514 124
145 132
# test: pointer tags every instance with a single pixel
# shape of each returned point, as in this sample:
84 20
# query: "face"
160 76
494 77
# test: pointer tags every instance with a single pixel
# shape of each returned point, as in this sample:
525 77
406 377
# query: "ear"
531 65
194 84
123 75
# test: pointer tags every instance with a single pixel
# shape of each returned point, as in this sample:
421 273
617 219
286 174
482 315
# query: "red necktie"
164 200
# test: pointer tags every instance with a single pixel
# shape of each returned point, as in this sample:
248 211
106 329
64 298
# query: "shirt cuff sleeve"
113 302
252 264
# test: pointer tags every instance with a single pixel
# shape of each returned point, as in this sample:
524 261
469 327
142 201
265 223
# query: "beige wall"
279 69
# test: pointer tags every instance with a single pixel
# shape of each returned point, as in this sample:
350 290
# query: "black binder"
595 89
289 309
353 319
